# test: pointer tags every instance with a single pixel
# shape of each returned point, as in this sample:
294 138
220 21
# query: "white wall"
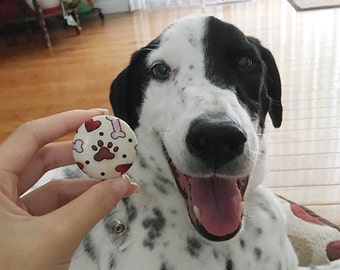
112 6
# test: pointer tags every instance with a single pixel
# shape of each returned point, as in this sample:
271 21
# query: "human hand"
42 229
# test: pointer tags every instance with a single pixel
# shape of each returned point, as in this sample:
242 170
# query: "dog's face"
197 97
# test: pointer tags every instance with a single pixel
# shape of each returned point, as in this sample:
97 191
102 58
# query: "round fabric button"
104 147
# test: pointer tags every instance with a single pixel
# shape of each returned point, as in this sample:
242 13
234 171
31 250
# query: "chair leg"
42 23
76 18
100 14
94 9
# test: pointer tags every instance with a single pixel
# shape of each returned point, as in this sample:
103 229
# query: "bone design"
117 130
78 146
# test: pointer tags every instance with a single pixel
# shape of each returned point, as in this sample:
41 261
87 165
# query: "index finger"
20 147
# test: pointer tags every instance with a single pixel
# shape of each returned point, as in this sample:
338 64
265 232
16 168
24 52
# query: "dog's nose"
215 142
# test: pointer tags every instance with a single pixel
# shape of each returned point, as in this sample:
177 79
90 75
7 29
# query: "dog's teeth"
197 213
240 208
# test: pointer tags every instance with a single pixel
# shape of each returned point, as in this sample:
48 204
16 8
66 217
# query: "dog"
197 98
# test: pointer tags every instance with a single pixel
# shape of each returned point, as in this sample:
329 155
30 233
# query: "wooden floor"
77 72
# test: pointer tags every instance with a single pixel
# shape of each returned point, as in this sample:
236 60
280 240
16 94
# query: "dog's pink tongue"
218 201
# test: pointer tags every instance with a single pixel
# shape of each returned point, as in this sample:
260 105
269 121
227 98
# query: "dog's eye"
160 71
245 63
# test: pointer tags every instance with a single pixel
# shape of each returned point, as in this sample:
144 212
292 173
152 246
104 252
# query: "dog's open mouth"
215 203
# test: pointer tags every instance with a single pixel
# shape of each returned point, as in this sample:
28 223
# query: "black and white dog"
197 97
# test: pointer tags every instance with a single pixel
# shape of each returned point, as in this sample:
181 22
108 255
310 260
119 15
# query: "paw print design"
104 147
102 152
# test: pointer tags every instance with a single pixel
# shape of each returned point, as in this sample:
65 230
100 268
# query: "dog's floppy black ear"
119 96
273 83
274 88
127 90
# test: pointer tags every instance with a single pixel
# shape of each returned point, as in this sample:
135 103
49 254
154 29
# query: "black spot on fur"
191 67
193 246
142 162
165 266
88 247
192 41
155 226
112 262
130 209
166 244
268 211
242 243
258 231
161 188
229 265
163 184
149 244
258 253
174 212
279 266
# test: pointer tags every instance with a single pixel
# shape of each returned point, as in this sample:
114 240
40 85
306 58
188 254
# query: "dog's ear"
274 88
119 96
273 83
127 90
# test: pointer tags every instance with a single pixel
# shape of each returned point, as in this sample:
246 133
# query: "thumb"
76 218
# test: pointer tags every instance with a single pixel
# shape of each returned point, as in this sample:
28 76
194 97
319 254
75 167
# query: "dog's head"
197 97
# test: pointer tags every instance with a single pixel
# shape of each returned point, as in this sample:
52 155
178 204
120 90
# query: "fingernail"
135 187
101 110
120 187
125 176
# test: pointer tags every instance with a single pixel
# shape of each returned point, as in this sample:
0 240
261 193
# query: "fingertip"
120 186
103 111
133 188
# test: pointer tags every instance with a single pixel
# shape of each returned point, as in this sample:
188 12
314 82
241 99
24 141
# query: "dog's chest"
160 236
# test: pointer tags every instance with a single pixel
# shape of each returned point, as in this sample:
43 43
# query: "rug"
315 240
302 5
